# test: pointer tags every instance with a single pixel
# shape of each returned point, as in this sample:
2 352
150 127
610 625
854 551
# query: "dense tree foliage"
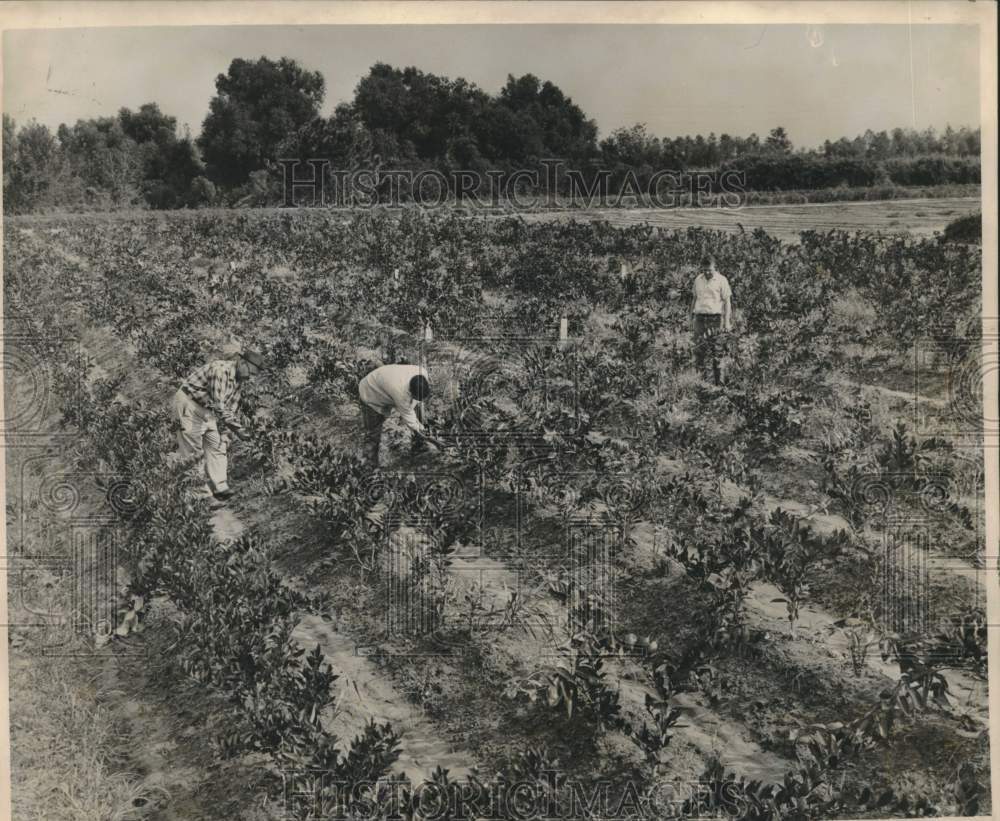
30 160
410 115
132 159
904 142
257 105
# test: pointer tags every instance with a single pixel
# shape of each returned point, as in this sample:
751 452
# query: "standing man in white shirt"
712 315
403 387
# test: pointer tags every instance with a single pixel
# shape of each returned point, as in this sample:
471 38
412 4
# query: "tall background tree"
31 165
778 141
258 105
134 159
546 122
169 163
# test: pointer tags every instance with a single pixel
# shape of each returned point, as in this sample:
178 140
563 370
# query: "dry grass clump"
67 752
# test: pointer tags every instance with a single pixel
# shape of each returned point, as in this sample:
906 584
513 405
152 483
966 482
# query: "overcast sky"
818 83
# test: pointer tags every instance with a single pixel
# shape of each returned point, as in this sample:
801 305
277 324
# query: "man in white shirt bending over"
403 387
712 310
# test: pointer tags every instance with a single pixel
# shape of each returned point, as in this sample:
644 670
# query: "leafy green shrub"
791 553
967 229
577 684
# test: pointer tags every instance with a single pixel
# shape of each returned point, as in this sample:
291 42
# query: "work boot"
203 492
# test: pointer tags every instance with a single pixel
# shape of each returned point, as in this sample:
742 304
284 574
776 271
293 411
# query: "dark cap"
254 359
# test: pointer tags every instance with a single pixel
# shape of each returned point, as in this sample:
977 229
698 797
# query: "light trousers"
199 435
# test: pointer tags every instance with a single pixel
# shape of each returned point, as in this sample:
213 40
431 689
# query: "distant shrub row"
804 171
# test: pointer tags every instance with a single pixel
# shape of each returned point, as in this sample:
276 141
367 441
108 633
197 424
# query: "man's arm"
727 308
412 417
408 416
221 391
694 301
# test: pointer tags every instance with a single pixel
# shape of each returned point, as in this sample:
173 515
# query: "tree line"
134 159
265 110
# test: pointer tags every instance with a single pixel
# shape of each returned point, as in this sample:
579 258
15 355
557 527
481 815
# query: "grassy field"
916 217
627 575
920 218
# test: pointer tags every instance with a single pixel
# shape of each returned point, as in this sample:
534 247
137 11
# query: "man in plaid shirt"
206 406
